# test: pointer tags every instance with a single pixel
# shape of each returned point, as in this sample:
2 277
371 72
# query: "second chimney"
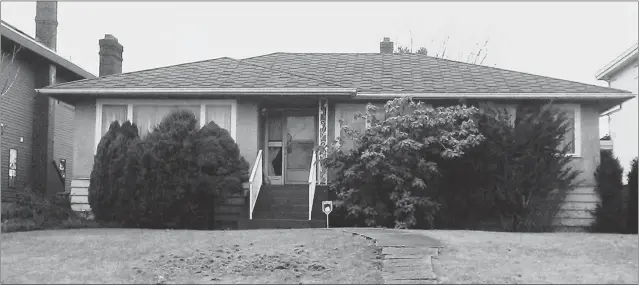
386 46
110 55
47 23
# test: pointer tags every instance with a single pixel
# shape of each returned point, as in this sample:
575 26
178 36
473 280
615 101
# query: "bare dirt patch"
201 257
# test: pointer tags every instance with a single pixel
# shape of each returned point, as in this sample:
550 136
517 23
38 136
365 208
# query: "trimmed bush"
609 217
99 191
182 170
109 176
632 198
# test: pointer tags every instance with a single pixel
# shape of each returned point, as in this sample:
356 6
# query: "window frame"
576 108
129 113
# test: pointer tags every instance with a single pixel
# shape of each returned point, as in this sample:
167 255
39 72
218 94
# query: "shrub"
182 170
33 211
99 191
609 217
518 174
109 185
387 179
632 198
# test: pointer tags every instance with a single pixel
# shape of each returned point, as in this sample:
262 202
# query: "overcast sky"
564 40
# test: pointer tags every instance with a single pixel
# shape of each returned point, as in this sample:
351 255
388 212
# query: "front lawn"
181 256
491 257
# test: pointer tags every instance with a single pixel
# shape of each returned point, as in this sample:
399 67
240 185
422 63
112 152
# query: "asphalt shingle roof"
368 72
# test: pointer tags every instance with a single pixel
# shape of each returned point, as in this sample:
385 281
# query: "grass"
490 257
181 256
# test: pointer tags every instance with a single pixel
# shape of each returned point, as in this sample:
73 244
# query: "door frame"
310 112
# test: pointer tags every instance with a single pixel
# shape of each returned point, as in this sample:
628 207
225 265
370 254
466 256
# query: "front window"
147 115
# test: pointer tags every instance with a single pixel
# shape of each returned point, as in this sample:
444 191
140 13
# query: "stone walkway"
406 254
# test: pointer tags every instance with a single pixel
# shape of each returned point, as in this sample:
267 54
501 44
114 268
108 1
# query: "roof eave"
38 48
102 92
500 96
618 63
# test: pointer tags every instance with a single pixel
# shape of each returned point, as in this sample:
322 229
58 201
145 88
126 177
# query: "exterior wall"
17 114
623 123
84 138
247 129
578 204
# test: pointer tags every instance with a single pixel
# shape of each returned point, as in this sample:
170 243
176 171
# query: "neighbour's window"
146 117
111 113
13 167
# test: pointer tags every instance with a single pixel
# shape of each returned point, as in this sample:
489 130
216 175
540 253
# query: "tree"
609 217
632 198
477 57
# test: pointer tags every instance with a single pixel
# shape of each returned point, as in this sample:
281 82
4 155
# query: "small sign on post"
327 208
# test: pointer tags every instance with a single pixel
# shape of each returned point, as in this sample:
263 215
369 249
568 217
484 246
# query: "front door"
299 143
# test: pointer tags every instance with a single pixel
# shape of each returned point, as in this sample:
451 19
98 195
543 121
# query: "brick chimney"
47 23
110 55
386 46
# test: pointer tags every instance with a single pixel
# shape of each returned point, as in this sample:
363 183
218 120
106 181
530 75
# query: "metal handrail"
312 182
255 182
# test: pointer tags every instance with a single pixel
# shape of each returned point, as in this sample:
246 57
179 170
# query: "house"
37 136
282 108
621 73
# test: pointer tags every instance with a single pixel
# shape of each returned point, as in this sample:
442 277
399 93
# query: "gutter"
198 91
499 96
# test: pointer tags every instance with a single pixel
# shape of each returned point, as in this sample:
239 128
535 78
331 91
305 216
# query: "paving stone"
411 281
407 273
408 252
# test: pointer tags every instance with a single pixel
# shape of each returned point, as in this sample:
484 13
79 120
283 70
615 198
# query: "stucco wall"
623 124
84 138
247 129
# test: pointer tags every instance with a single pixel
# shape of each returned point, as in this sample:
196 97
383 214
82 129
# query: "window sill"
574 155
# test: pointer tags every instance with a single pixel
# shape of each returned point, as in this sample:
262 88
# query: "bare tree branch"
7 67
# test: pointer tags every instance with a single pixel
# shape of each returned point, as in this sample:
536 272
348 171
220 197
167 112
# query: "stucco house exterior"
621 73
37 137
282 108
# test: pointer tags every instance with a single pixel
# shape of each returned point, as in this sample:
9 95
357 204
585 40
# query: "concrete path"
406 254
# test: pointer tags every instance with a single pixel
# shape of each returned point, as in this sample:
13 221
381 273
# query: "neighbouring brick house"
283 108
38 130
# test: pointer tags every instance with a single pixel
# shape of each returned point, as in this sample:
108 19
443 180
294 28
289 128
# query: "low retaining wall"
229 211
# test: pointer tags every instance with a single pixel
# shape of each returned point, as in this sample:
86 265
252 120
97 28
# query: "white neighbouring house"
621 73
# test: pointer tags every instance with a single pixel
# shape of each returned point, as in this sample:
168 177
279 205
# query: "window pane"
275 124
220 114
275 161
148 116
13 167
111 113
347 114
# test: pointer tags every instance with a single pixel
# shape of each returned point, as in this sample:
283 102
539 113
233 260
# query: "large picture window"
147 114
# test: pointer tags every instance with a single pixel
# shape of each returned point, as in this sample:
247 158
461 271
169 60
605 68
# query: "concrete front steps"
286 207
